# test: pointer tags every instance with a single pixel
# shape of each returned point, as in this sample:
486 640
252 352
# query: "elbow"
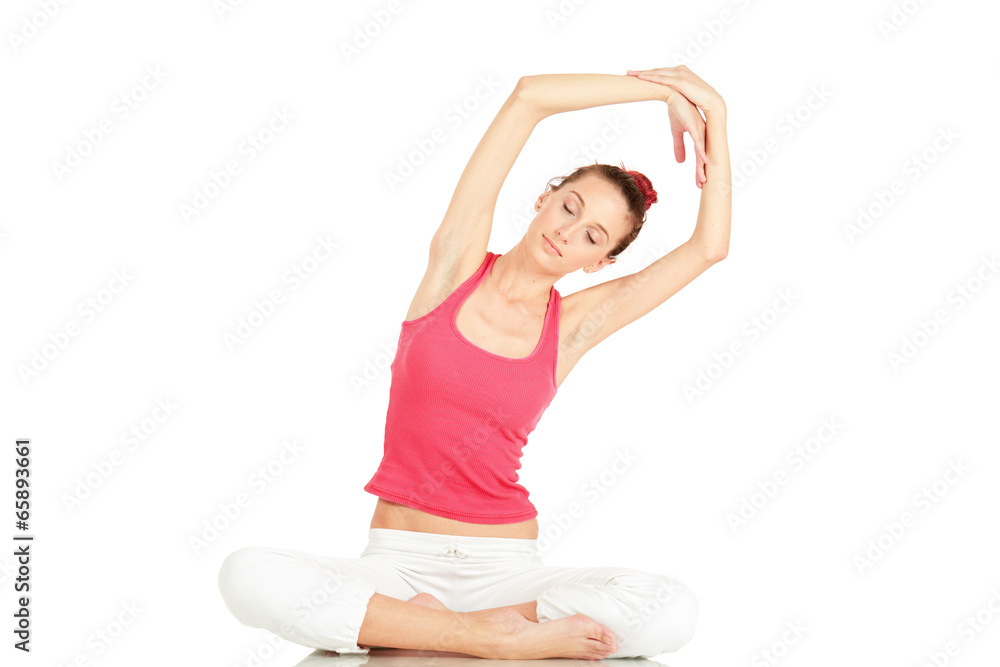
524 95
711 250
521 87
718 255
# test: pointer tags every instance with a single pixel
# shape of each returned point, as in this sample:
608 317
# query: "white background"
803 167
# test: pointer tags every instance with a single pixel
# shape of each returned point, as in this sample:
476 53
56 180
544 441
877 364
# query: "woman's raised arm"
556 93
460 240
613 304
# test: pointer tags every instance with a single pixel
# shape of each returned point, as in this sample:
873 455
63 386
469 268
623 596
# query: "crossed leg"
498 633
646 613
526 609
650 613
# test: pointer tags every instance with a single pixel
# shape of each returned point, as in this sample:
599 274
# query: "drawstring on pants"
453 550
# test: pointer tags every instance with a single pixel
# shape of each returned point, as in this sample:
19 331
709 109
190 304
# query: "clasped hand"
686 95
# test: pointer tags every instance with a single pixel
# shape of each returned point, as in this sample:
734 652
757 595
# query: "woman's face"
584 220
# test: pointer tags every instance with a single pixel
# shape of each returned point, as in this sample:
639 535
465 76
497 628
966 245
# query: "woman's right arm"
468 221
555 93
459 244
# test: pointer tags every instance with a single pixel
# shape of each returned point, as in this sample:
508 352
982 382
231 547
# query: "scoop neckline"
453 319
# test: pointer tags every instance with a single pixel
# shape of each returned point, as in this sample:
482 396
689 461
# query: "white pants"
320 601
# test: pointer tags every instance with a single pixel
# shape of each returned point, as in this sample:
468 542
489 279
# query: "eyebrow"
597 224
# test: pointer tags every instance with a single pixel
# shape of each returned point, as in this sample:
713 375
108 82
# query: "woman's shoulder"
445 273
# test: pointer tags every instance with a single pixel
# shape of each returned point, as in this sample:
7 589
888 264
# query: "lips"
551 244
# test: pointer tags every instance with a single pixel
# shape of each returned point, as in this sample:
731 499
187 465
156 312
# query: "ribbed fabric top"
459 416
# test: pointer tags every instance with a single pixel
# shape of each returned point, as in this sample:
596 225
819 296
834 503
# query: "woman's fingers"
684 117
699 170
678 145
688 117
677 130
699 142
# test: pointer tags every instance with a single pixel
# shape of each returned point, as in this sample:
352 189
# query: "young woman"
452 562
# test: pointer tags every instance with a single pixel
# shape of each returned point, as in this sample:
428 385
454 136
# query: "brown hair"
635 188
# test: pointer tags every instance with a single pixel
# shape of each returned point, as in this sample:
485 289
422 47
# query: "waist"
405 545
395 516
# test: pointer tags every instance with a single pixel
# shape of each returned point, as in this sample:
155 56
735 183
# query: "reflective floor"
397 657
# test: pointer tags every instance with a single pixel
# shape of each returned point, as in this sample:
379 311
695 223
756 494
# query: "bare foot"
427 600
511 636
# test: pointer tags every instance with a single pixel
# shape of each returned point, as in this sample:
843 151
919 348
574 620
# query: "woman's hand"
687 83
688 92
684 116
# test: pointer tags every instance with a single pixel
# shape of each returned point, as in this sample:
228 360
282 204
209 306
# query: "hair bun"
645 185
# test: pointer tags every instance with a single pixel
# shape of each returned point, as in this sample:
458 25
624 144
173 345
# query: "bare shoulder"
574 313
575 310
590 315
594 313
447 268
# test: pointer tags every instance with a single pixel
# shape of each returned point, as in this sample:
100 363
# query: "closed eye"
588 233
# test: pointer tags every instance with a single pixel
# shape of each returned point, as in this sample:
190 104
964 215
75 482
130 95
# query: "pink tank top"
459 416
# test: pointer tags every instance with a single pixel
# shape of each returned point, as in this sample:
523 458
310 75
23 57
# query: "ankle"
492 631
527 610
465 632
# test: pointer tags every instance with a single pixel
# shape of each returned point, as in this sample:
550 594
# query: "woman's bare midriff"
400 517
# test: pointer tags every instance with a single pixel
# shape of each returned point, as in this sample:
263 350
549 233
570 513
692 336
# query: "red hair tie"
645 186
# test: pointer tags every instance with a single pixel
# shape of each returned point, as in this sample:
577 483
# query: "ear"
593 268
541 199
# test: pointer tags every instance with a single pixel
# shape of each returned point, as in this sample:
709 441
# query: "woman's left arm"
715 210
682 90
606 307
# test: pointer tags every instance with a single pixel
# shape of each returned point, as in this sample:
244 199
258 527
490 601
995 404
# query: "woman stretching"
452 562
